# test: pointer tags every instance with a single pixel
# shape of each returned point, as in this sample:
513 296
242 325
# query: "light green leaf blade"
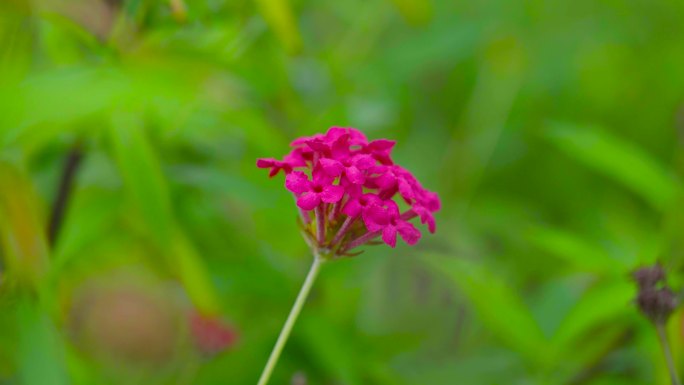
599 305
617 159
41 355
497 304
146 187
577 251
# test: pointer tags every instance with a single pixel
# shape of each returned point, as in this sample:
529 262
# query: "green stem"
662 336
291 319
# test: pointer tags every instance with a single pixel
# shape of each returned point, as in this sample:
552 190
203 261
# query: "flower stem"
320 225
291 319
343 230
662 336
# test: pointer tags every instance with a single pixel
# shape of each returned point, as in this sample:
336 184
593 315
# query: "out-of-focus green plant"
552 131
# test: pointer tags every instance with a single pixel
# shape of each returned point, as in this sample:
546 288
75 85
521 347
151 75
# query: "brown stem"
66 184
664 342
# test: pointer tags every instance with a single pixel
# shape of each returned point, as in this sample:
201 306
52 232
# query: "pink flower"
380 150
389 222
356 206
312 193
275 165
210 334
346 187
352 167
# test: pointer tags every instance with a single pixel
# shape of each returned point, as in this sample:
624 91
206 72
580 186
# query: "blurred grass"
552 131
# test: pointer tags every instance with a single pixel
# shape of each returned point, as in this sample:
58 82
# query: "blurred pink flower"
211 334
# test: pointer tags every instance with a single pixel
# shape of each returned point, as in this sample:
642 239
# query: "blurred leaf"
579 362
415 11
22 233
576 251
618 159
279 15
40 354
194 274
599 305
223 184
330 348
497 304
142 175
90 216
480 368
147 189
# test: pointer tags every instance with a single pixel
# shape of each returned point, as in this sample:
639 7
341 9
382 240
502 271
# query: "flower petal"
409 233
405 190
265 162
352 208
382 145
331 167
308 201
363 161
389 236
355 175
332 194
375 218
297 182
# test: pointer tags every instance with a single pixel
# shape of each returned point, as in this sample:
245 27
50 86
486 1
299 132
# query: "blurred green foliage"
551 129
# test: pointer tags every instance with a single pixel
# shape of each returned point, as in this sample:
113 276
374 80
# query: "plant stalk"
66 185
291 319
662 336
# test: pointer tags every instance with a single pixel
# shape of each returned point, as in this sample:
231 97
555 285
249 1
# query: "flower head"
655 299
348 190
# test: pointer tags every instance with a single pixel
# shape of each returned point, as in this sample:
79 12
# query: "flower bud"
649 276
657 304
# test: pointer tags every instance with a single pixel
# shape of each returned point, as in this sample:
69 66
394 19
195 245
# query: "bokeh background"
551 129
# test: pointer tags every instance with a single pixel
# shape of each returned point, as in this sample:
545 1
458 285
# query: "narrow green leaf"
579 252
146 186
416 12
599 305
40 353
280 17
142 175
22 232
498 305
618 159
194 274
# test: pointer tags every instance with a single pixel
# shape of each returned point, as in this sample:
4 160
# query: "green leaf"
416 12
142 175
330 348
146 186
579 252
618 159
598 306
40 353
280 17
498 305
22 230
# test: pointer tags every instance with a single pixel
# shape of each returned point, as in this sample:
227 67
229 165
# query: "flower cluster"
349 191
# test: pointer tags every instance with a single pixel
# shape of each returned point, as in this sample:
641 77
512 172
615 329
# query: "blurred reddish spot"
211 334
125 324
